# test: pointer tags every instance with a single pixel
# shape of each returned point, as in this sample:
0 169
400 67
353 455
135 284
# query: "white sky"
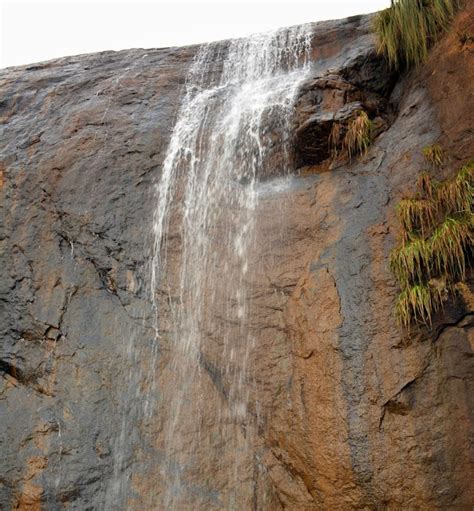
36 30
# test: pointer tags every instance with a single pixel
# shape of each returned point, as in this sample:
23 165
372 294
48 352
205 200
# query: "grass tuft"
434 155
449 246
407 28
455 195
425 184
416 214
358 136
411 261
417 303
437 237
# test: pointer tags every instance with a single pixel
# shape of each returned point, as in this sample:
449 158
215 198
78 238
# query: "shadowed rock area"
356 414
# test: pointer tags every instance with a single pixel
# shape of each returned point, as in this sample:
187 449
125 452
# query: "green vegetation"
416 214
437 236
434 155
448 247
416 303
455 196
407 29
411 261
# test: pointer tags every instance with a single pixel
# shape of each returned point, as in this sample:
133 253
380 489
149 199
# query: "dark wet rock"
355 414
364 84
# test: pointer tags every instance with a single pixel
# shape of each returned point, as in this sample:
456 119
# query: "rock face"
356 414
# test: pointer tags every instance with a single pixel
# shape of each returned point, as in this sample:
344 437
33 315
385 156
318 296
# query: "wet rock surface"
362 84
355 413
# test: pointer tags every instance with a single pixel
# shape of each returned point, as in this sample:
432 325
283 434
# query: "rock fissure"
84 375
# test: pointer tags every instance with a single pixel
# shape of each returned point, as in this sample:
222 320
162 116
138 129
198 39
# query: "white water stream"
233 128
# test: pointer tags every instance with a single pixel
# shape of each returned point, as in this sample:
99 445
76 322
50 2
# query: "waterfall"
232 131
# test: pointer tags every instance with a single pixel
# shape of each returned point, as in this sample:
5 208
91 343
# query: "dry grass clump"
358 136
434 155
437 238
407 28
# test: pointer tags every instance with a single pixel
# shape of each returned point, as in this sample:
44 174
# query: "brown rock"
353 413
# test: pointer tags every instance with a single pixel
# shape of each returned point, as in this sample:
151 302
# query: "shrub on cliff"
437 237
407 29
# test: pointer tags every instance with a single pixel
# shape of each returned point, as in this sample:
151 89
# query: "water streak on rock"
218 150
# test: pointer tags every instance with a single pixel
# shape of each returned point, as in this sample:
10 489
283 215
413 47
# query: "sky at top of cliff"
37 30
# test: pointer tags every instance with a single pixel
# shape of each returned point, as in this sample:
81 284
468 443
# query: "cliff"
356 413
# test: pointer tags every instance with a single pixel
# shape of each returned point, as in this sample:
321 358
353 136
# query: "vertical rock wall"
356 415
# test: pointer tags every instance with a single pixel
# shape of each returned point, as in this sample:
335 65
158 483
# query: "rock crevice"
354 414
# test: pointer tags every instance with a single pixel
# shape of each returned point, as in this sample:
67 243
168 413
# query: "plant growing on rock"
434 155
416 214
358 136
437 235
408 28
455 195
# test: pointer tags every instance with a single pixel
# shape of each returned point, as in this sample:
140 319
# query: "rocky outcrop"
363 83
355 413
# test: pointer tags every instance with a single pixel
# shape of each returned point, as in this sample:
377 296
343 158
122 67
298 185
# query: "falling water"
231 131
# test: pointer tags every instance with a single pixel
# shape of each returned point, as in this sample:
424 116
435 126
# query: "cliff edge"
357 414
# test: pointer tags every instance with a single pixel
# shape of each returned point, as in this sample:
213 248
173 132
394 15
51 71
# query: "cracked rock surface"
356 414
